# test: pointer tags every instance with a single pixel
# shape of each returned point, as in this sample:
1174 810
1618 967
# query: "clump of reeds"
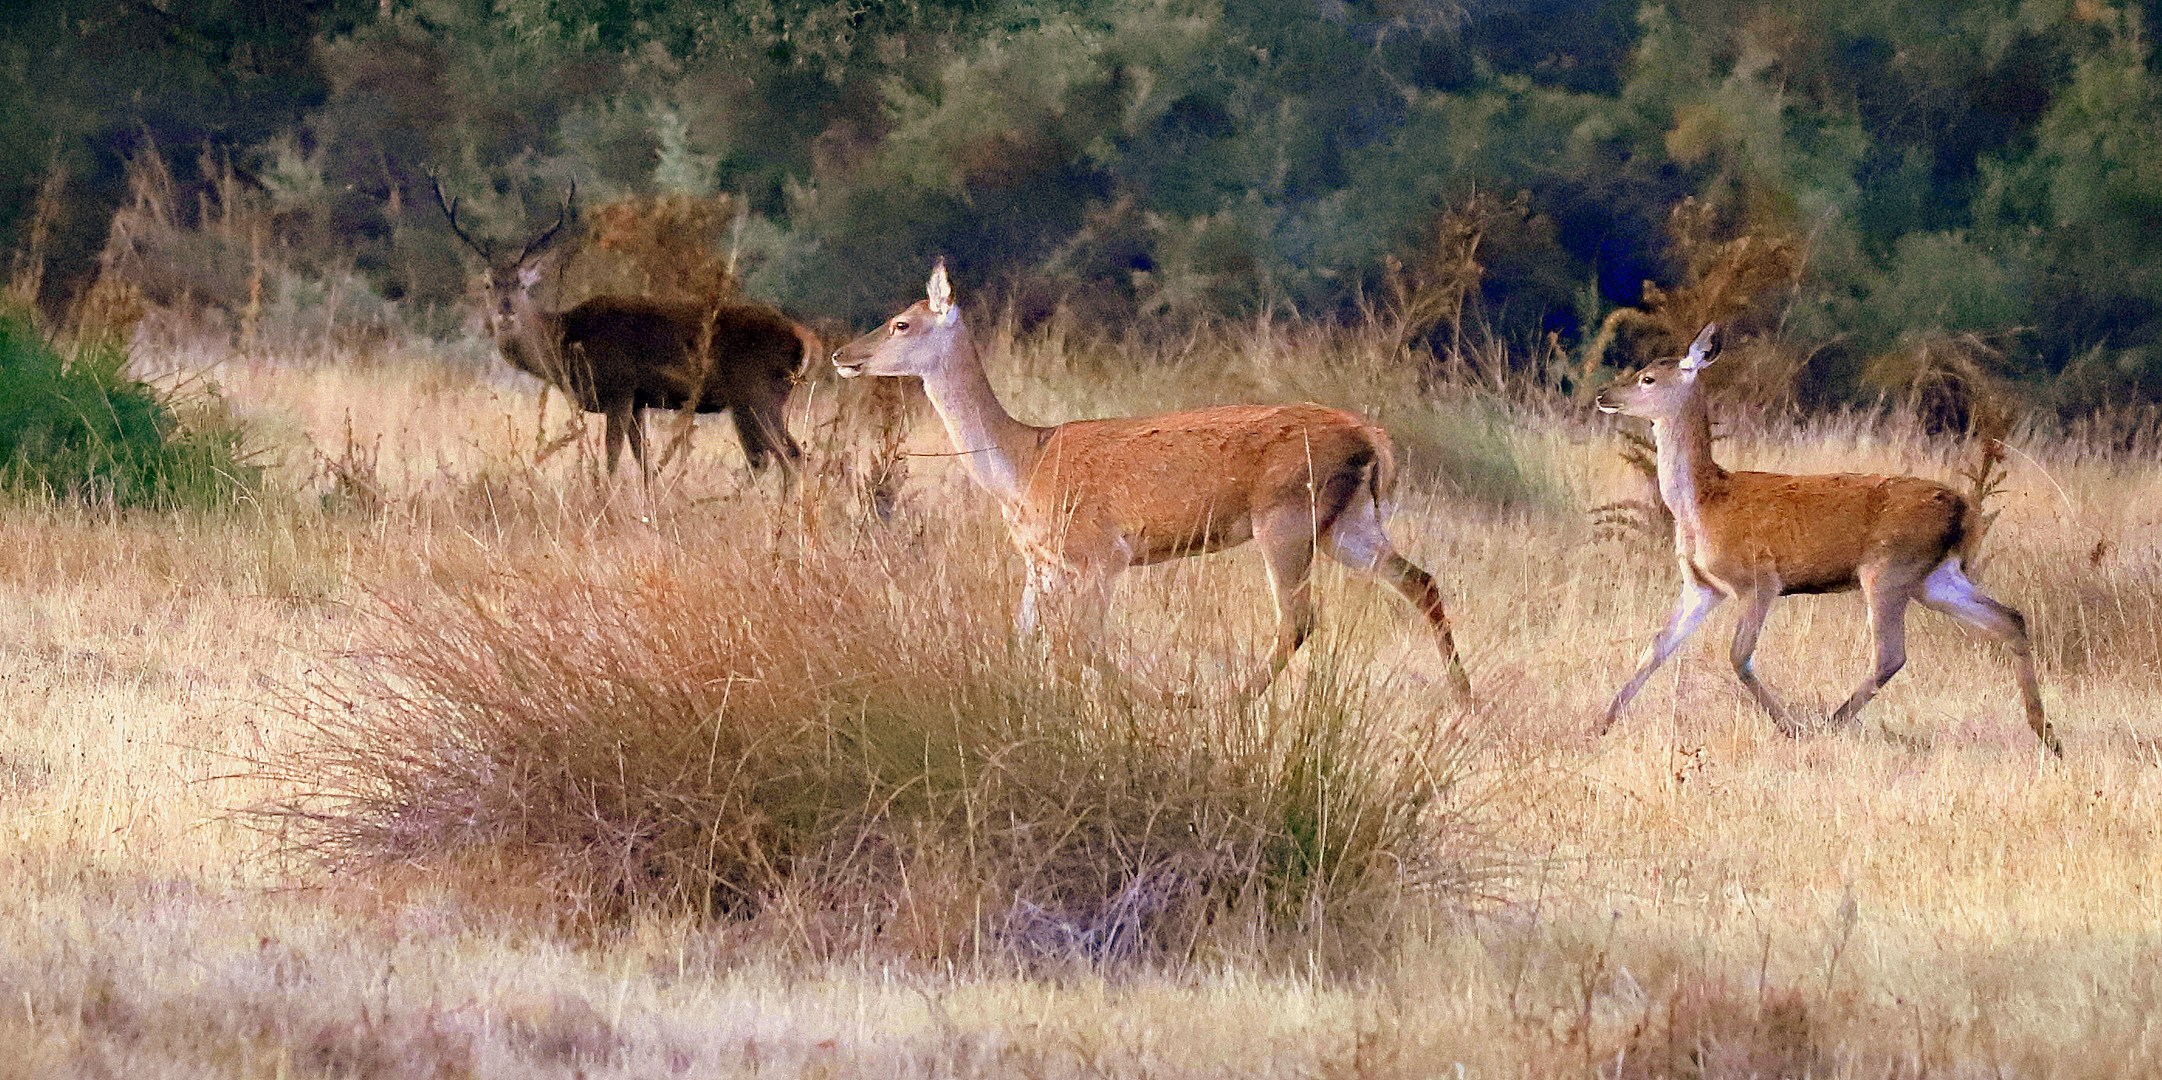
26 282
1430 293
1435 292
1726 278
1709 1027
855 457
201 259
1945 388
1945 383
849 751
1646 516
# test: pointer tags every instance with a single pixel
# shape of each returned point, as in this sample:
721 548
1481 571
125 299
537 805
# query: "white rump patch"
1356 538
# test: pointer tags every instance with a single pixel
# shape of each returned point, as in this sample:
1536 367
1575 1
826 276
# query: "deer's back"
1816 532
631 346
647 348
1188 482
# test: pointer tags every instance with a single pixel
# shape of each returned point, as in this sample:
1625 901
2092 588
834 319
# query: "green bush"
80 428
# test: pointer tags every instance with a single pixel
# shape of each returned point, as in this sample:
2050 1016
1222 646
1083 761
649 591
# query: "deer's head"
918 341
1661 389
510 289
510 284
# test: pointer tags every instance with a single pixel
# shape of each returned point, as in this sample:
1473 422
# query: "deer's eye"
1648 379
900 325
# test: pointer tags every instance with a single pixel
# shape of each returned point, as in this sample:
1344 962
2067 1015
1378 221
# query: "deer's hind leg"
1356 539
1287 552
1949 590
765 439
1887 593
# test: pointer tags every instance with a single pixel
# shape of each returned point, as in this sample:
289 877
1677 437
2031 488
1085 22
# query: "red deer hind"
620 355
1758 536
1087 499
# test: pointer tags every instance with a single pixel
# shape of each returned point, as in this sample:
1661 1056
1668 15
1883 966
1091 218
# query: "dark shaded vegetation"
1983 169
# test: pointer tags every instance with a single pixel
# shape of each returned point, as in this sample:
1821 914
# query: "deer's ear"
1703 350
940 291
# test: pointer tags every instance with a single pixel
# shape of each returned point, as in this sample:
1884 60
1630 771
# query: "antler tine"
569 199
450 214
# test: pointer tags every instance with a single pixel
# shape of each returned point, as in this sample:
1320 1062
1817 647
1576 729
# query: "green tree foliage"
1985 167
2084 206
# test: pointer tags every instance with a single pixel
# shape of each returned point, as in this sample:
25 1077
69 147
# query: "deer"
620 355
1087 499
1757 536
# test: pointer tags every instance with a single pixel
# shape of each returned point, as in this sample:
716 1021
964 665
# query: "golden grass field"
1922 894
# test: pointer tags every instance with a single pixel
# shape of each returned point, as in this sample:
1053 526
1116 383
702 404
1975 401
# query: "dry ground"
1921 894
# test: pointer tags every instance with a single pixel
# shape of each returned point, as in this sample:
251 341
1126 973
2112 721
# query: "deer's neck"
532 341
1687 473
997 449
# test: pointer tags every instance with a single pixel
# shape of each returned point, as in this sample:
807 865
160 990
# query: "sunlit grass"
1693 895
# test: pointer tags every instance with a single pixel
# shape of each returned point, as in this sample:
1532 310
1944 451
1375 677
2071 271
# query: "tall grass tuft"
848 752
81 428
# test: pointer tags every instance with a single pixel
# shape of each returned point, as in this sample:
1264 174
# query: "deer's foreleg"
625 424
1757 603
1062 601
1697 600
1044 580
1068 607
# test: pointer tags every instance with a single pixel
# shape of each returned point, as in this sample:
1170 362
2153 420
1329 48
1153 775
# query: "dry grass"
839 747
1693 896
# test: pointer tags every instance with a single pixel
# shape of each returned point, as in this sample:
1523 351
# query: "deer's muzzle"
849 361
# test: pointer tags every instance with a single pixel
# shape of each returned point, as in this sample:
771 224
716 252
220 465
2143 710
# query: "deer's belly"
1818 583
1156 547
1080 542
1793 572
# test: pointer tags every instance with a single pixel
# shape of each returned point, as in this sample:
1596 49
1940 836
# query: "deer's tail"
1381 473
813 348
1981 476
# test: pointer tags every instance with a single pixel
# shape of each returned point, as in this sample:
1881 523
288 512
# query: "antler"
450 214
569 198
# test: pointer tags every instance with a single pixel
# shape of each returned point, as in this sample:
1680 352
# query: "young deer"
1087 499
1759 536
620 355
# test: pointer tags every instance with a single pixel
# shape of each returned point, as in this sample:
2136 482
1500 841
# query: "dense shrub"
1975 169
80 428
